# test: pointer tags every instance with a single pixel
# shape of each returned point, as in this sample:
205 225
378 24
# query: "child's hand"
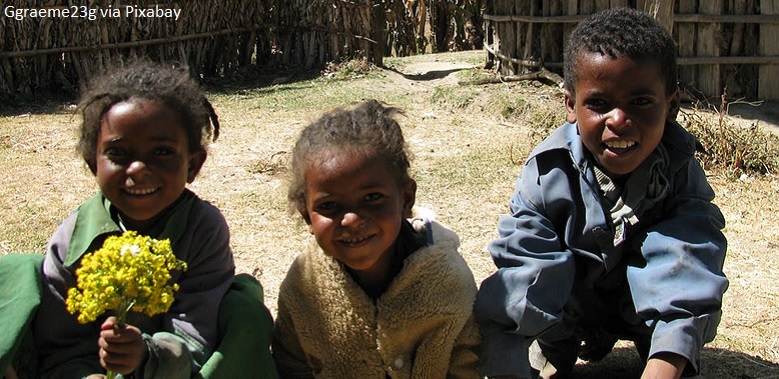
664 366
10 373
120 351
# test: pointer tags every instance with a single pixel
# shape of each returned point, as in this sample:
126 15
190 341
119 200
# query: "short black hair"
622 32
167 83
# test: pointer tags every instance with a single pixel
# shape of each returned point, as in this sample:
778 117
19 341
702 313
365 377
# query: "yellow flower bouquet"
129 272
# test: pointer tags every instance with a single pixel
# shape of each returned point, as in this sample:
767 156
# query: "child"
143 136
613 234
381 296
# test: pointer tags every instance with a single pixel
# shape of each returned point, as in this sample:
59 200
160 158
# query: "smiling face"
354 206
621 107
143 160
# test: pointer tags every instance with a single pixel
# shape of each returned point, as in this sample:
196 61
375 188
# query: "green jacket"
20 294
244 323
199 235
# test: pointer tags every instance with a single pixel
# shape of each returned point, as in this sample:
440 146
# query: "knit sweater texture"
422 327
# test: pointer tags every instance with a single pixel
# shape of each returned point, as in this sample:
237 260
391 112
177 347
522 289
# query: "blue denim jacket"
558 236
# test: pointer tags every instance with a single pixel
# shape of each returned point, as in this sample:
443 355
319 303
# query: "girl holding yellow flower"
143 136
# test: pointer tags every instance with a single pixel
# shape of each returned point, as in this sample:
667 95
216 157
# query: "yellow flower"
128 272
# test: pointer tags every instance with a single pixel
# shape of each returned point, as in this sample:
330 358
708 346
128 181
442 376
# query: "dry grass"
468 142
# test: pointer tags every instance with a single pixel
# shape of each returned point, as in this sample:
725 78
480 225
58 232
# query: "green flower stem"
120 325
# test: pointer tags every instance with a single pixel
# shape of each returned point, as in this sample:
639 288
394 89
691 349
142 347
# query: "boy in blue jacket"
612 233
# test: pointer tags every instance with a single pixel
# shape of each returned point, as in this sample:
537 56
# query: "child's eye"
326 206
163 151
373 196
597 105
114 152
642 101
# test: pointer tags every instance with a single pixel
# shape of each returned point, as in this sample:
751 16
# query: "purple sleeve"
205 246
66 348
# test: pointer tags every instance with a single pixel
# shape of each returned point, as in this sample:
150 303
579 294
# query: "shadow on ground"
52 103
765 114
427 75
716 364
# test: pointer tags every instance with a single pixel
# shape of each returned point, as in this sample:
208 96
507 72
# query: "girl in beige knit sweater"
380 295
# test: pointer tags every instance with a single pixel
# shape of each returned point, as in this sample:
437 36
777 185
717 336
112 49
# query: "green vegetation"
737 149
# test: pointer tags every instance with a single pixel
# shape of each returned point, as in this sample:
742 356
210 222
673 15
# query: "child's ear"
92 166
307 219
195 163
674 103
409 197
570 103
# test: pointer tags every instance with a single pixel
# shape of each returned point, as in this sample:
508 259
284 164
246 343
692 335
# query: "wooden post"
767 86
662 10
530 53
551 34
708 46
507 31
425 26
489 35
685 37
601 5
737 43
377 23
586 7
570 8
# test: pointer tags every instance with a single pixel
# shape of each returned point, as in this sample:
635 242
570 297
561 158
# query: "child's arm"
287 353
65 347
664 366
679 288
464 363
191 322
10 373
525 297
210 272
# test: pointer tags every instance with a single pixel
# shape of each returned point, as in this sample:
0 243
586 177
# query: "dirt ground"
245 177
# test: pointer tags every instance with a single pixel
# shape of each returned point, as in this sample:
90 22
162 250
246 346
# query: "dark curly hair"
168 84
622 32
369 127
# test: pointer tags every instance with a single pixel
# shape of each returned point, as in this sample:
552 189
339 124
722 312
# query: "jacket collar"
679 143
94 223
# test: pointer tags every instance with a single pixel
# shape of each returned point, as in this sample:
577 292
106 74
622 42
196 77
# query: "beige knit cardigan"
422 327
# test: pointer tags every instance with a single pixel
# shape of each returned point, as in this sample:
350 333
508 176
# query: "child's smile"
355 242
355 207
141 192
621 107
143 160
619 145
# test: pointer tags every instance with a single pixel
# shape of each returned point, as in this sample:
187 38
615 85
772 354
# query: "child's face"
354 208
621 106
143 159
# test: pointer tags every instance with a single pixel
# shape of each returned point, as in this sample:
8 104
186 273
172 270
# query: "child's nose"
618 119
136 169
351 219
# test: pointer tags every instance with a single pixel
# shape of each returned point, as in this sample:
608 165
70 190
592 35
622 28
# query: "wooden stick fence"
722 43
222 38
